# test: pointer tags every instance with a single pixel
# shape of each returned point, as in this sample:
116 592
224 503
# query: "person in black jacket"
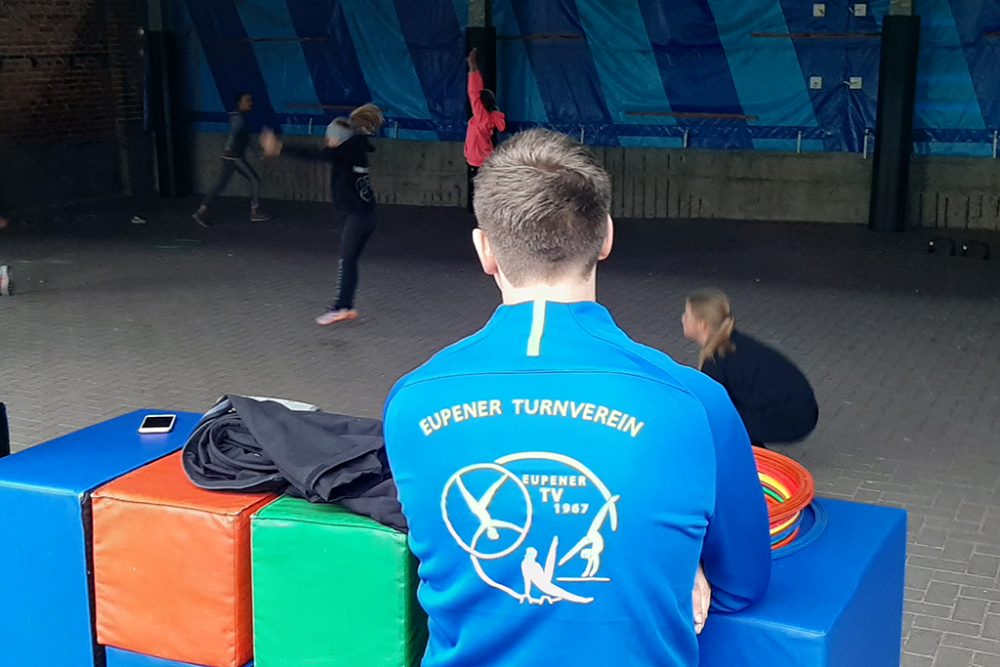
5 281
771 394
234 161
4 432
346 149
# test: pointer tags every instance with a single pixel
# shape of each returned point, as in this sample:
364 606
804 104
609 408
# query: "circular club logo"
545 509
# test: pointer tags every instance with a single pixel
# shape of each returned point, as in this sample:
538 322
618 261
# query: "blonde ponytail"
713 306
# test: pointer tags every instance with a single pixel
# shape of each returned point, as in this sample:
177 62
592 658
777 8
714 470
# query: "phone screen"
157 422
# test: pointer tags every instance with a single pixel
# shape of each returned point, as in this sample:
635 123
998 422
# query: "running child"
234 161
346 149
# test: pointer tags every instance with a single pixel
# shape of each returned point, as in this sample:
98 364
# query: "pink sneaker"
334 316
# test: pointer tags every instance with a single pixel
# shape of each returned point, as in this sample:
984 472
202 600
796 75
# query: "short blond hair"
543 201
367 118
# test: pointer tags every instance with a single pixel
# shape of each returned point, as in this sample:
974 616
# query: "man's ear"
485 252
609 241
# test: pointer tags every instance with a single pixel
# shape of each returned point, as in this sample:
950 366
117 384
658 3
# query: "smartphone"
157 424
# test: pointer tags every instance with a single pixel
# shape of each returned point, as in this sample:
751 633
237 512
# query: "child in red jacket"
485 119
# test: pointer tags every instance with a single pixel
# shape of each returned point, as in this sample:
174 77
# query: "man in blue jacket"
562 483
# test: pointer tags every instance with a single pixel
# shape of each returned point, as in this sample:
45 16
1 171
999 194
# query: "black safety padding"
897 84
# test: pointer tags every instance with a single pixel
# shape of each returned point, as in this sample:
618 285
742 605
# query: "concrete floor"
901 346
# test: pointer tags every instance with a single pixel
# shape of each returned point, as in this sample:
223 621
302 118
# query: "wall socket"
819 10
815 83
860 9
856 83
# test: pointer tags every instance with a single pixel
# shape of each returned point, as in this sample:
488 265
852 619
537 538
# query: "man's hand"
473 60
269 143
701 598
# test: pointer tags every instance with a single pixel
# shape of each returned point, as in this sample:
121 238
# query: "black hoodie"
350 185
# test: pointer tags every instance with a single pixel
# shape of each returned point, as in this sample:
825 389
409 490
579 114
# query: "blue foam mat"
835 602
120 658
45 530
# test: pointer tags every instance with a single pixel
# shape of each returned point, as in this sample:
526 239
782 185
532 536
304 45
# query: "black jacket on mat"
256 446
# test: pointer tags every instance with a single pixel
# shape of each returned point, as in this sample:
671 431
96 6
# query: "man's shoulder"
455 359
707 390
614 354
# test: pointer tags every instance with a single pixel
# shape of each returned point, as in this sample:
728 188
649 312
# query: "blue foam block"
838 602
45 529
119 658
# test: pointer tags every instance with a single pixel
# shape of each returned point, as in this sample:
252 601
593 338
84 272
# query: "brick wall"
70 74
69 69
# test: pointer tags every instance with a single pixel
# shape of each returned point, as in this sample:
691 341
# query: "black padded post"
4 432
166 115
894 124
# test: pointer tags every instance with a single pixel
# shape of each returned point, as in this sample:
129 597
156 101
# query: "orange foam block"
172 567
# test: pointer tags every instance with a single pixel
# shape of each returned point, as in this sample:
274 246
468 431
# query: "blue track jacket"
562 483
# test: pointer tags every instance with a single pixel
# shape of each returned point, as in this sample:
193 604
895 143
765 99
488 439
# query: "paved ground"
902 348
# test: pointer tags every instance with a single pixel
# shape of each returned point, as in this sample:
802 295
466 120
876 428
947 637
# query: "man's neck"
558 293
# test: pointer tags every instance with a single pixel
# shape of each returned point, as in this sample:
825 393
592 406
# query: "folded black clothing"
257 446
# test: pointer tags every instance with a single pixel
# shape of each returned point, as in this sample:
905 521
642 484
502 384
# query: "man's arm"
737 549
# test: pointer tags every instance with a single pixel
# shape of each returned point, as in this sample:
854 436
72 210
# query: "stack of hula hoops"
788 489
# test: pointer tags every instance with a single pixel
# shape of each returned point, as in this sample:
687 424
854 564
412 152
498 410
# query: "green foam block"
332 589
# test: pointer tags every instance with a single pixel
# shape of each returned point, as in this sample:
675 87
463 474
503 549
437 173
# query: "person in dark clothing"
234 161
771 394
5 271
346 150
4 432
